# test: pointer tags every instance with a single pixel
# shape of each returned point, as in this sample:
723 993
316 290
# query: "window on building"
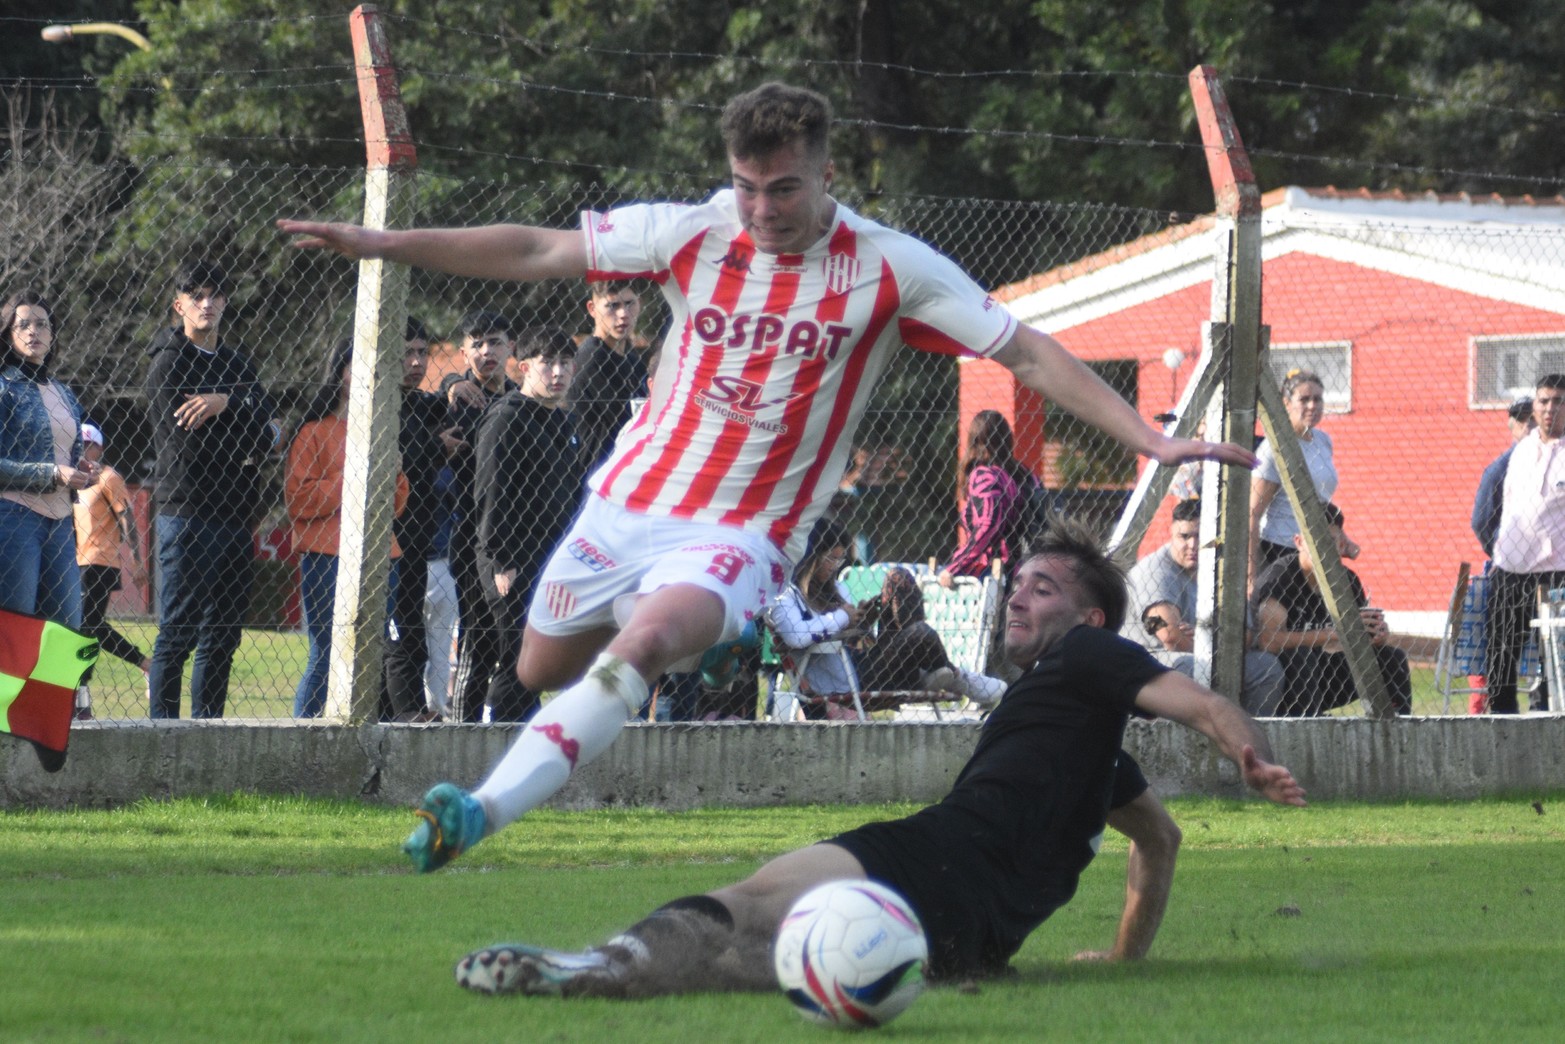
1333 360
1077 456
1506 368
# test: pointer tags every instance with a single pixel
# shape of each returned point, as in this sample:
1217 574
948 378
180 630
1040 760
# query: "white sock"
980 688
568 731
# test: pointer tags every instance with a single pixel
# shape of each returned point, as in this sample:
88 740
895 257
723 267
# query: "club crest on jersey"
736 399
841 272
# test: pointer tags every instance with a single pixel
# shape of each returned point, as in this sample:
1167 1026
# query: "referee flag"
41 664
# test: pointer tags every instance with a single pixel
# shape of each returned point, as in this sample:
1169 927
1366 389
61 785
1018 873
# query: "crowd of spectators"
492 470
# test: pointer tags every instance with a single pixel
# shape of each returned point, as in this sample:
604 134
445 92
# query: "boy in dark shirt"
527 487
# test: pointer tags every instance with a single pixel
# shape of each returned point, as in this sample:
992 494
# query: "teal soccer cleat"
453 822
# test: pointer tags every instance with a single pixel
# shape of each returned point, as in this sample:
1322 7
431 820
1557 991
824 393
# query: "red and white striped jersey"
770 360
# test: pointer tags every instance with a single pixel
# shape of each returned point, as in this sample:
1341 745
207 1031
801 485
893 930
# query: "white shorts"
611 556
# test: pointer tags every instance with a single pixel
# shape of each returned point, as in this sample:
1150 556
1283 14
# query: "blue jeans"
318 599
204 578
38 574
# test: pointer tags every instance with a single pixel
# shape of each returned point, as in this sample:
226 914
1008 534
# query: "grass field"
253 919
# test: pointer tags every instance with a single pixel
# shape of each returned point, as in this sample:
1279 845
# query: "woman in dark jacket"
40 468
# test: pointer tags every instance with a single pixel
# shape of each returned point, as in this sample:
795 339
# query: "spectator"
999 489
487 344
312 489
212 426
1486 518
611 369
1491 485
527 487
425 442
41 463
1273 522
1168 575
440 609
105 528
1294 624
1529 546
909 655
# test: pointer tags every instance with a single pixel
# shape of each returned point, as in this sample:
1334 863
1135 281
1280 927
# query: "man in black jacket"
425 439
487 344
212 426
528 486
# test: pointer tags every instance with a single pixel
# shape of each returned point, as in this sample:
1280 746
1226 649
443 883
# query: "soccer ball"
851 954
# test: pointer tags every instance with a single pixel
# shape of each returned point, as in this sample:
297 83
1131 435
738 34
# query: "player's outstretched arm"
519 253
1042 364
1149 876
1174 696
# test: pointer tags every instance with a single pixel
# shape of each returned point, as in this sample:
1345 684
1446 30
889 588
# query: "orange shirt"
312 486
98 511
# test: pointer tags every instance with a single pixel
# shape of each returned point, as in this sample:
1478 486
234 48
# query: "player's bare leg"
665 626
721 941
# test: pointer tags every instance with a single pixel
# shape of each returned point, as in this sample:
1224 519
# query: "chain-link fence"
1424 318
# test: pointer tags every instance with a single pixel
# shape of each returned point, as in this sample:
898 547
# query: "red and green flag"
41 664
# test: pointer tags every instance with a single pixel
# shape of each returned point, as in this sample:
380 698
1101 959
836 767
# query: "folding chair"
1464 640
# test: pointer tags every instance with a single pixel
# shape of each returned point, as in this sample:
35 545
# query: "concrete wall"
736 764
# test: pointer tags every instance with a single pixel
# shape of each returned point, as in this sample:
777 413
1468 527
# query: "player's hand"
1095 955
351 241
853 615
1273 781
451 440
196 410
466 393
946 580
1173 451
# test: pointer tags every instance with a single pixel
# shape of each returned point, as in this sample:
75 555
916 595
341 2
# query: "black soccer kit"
1005 848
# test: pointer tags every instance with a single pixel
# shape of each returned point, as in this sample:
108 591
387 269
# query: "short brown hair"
773 116
608 287
1101 580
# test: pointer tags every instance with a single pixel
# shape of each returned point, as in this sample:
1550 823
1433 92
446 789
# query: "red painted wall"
1409 450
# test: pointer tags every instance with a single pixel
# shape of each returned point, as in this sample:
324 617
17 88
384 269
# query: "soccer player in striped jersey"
786 309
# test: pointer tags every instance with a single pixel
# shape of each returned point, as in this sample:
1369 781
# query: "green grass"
267 667
273 919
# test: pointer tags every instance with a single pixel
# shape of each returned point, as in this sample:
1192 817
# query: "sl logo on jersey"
841 272
740 400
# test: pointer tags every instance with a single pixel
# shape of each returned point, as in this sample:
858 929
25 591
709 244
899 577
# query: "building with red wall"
1425 314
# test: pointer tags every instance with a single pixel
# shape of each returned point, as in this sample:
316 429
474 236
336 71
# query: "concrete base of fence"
688 766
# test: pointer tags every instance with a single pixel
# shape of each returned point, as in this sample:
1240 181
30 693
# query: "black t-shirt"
423 416
605 383
1285 582
1005 848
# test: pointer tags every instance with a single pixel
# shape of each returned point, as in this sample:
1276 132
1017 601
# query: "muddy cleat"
537 972
453 822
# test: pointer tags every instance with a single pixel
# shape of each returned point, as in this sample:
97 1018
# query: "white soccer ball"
851 954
